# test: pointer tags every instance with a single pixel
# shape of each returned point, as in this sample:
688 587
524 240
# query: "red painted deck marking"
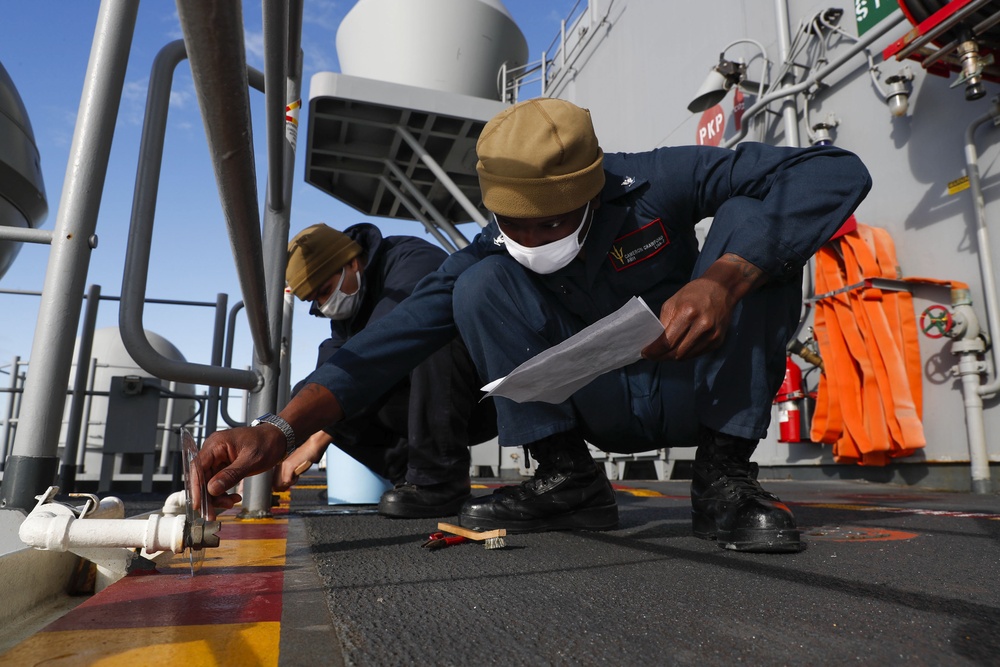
906 510
857 534
235 591
236 595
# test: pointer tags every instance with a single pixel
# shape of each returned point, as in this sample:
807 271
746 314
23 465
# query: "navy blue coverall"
420 429
772 206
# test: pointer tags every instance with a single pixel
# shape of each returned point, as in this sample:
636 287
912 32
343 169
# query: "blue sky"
45 46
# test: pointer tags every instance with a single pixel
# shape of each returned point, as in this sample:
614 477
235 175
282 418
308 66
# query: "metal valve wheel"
936 321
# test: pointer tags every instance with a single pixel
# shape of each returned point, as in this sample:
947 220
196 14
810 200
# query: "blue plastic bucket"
350 482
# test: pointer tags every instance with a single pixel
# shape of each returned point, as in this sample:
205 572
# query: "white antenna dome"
455 46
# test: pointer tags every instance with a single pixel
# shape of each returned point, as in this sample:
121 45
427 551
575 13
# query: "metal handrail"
213 35
140 241
288 60
33 464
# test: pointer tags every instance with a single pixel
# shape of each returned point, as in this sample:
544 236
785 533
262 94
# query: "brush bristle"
496 543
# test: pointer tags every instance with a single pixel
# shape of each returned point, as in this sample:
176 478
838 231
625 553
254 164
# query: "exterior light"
721 78
898 95
822 135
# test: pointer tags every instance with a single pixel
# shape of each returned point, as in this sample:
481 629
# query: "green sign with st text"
869 12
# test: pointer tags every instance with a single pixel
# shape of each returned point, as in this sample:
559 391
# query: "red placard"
710 127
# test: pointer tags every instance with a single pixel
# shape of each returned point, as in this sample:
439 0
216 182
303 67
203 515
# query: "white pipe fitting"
54 527
108 508
176 503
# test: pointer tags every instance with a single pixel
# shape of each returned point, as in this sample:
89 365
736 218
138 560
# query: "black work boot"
569 490
729 505
413 501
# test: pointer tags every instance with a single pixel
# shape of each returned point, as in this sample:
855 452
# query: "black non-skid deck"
891 576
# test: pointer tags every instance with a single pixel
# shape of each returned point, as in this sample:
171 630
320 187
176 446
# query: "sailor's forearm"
738 276
312 409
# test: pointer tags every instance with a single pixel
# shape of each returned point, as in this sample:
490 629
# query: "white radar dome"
456 46
114 360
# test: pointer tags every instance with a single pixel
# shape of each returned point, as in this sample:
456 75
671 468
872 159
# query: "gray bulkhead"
639 64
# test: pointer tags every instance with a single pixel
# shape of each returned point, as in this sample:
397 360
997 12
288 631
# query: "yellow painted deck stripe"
236 553
237 645
641 493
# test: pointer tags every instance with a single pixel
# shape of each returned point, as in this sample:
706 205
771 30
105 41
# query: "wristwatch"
275 420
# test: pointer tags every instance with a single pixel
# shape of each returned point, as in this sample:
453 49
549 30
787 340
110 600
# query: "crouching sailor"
575 234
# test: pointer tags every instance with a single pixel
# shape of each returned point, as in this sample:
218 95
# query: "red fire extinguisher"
789 400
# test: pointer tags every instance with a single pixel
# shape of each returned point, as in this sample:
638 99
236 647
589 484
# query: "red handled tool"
440 541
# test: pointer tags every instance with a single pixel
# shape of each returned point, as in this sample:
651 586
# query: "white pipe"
969 346
983 239
54 527
107 508
884 26
176 503
979 460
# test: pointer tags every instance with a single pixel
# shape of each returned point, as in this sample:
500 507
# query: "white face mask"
550 257
342 306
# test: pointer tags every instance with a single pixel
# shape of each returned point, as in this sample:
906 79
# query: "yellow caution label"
292 122
958 185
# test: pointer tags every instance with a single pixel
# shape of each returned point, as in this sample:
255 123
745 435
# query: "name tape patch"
639 245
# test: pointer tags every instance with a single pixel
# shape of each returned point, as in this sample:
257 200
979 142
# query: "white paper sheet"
554 375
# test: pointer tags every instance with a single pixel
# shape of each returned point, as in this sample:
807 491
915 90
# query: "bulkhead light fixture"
721 78
898 95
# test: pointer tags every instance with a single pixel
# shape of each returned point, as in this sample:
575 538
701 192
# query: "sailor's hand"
694 320
229 456
286 474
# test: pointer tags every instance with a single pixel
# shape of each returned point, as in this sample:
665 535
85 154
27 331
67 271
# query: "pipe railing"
227 360
67 470
33 465
26 235
275 20
15 391
213 35
140 238
288 61
81 453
